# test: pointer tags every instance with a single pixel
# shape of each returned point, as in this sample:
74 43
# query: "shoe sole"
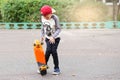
55 73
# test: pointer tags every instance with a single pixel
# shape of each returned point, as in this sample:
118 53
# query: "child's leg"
55 60
48 50
55 54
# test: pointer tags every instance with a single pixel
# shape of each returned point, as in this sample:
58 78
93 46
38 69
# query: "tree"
118 12
114 12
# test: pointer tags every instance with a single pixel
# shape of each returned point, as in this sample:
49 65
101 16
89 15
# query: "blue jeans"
52 49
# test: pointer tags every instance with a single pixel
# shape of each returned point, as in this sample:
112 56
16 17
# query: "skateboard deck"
40 57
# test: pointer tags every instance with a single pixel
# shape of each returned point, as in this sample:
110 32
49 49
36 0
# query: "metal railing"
64 25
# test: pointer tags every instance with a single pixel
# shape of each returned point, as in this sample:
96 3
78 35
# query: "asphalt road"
84 54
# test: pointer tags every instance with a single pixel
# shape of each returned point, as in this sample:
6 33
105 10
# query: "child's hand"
42 42
51 40
42 39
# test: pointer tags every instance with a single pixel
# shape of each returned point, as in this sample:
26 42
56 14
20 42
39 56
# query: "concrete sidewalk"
84 54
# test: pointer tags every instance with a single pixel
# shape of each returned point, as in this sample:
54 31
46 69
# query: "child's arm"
42 32
57 26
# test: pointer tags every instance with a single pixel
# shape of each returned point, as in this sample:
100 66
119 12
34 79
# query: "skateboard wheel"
34 45
43 72
42 43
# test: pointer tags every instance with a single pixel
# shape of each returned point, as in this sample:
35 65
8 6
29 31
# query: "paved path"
84 55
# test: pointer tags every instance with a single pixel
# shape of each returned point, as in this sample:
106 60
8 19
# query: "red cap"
45 10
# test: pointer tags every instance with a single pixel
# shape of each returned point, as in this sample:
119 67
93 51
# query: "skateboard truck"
43 70
43 67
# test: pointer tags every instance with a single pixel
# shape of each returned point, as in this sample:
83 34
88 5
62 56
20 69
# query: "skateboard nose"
37 43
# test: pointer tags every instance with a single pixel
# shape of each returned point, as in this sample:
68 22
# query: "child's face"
48 17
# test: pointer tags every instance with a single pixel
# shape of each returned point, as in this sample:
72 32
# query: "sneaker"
38 71
56 71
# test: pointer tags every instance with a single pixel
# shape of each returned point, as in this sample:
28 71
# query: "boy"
50 30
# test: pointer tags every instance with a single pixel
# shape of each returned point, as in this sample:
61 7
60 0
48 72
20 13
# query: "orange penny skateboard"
40 57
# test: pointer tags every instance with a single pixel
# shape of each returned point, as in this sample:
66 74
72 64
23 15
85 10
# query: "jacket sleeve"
57 26
42 29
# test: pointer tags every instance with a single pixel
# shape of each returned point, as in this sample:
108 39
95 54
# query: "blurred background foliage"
67 10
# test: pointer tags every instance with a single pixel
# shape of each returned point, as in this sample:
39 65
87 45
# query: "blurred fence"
64 25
